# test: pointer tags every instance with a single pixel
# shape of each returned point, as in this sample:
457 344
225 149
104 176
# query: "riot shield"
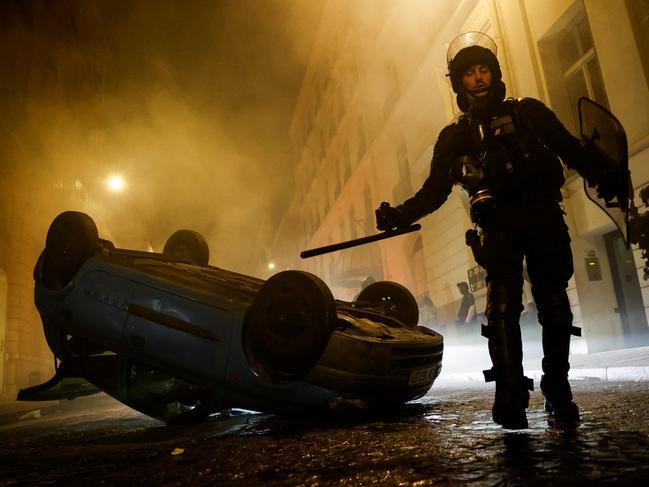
600 127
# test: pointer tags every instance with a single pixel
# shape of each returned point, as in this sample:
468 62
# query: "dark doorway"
627 290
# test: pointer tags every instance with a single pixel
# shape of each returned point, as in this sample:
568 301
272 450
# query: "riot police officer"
505 154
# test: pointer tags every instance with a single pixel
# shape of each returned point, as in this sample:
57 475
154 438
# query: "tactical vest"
506 161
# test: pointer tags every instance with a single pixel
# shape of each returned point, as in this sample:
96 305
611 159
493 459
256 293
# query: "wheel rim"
71 240
288 326
187 245
394 300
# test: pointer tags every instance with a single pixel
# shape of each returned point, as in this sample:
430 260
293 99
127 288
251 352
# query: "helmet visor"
469 39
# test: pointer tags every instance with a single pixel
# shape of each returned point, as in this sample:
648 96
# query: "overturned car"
177 339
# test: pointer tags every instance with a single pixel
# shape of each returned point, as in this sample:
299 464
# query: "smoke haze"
189 101
210 88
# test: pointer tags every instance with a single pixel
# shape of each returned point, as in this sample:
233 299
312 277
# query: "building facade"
374 98
54 55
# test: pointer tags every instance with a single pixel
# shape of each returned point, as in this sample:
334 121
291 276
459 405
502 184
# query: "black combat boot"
563 412
556 319
511 401
512 387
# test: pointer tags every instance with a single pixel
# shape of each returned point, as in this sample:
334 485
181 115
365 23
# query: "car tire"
398 301
71 240
187 245
288 326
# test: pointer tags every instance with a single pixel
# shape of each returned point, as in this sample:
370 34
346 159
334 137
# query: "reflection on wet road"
445 438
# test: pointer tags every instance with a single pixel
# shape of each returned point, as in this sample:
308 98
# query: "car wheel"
397 300
187 245
288 325
71 240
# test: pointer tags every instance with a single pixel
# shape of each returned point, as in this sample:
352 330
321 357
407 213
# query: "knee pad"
554 310
554 314
504 300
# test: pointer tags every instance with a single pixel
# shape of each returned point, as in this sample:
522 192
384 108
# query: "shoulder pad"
459 120
530 102
458 126
534 107
450 134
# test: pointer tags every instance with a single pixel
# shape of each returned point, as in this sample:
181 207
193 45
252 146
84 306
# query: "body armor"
507 163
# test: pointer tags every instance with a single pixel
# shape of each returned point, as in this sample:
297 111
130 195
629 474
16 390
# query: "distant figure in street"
466 313
367 280
427 311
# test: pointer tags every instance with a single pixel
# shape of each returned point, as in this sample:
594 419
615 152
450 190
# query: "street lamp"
116 183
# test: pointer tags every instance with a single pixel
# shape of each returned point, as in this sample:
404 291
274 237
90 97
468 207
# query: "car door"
180 335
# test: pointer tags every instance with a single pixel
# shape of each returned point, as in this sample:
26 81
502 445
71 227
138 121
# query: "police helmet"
469 49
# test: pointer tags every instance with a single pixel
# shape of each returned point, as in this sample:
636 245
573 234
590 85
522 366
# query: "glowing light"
116 183
271 265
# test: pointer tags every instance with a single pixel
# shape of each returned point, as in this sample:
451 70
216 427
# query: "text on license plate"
421 376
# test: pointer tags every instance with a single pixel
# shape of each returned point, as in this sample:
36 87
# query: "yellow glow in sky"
116 183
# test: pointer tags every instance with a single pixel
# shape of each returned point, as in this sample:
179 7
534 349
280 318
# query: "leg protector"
506 352
512 387
556 319
503 331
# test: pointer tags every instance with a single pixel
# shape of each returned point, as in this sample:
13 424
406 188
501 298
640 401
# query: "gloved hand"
598 169
388 217
608 188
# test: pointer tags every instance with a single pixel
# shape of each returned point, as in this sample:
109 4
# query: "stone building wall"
53 53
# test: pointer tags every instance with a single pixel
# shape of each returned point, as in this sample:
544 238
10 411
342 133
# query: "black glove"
388 217
608 188
598 169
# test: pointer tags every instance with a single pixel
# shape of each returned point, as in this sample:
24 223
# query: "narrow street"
446 438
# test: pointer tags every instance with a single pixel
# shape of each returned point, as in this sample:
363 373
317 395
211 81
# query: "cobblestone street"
446 438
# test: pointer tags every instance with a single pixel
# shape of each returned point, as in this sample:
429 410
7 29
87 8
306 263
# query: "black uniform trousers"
535 229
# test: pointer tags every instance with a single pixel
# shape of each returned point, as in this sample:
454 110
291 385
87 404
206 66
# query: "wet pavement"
446 438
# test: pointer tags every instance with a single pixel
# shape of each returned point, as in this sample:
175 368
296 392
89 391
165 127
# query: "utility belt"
484 201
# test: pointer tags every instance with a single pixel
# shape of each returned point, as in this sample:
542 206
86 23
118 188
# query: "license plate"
421 376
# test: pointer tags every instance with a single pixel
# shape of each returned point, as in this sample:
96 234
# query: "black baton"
359 241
